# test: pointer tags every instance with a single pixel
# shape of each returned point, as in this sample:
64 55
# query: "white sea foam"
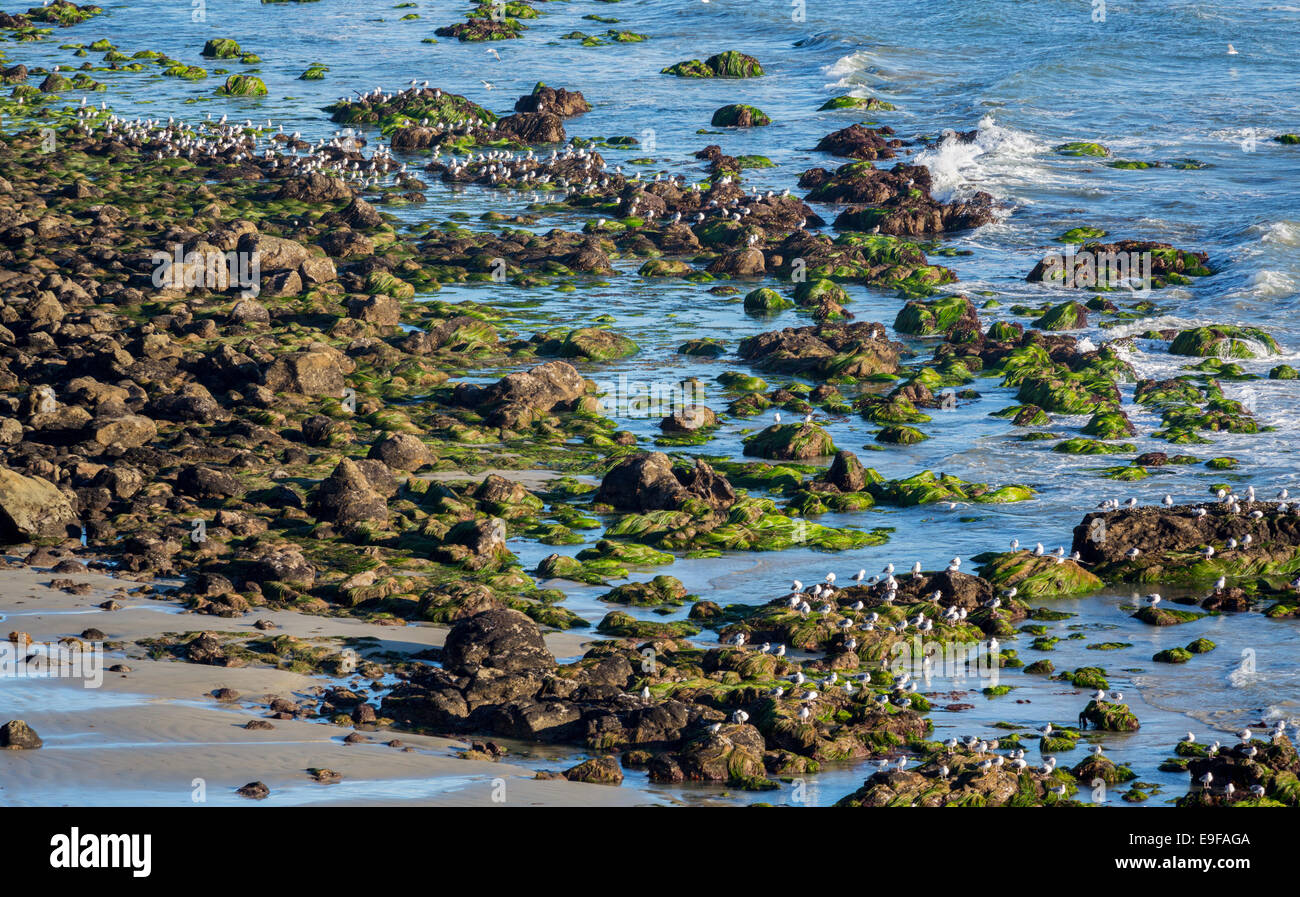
992 161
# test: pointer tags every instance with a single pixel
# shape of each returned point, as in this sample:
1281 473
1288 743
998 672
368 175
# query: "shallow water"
1154 81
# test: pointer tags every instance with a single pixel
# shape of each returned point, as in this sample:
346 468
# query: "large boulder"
499 639
518 397
347 497
32 508
401 451
649 482
316 371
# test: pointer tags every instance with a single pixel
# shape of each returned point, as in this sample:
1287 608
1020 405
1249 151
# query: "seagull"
645 693
1232 51
1189 738
739 717
1168 501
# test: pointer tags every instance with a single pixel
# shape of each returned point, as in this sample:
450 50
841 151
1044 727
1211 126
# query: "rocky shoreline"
317 439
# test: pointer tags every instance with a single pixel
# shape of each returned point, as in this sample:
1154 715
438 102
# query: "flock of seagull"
815 600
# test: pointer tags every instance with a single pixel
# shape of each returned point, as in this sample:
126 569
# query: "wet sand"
145 737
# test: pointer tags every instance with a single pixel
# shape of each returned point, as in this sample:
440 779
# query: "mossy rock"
243 86
622 625
1201 646
1222 341
665 268
1080 445
1166 616
1110 717
590 343
1109 425
871 104
1284 372
1066 316
657 592
790 442
728 64
1172 655
738 115
765 299
1087 677
702 348
1082 148
222 48
1081 234
923 318
812 293
900 434
1036 577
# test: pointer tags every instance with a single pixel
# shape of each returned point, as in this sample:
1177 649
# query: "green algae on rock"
871 104
1221 341
728 64
1036 577
243 86
790 442
738 115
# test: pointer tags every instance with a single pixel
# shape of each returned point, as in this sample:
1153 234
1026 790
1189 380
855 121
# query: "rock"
401 451
347 497
248 311
532 128
206 483
599 771
315 188
476 544
380 310
738 115
555 100
733 754
286 565
689 419
32 508
846 473
205 648
650 482
317 371
521 396
16 735
790 442
254 791
496 639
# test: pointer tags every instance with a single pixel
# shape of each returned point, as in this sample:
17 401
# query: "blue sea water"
1153 81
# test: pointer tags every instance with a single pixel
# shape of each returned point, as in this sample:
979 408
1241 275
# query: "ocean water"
1153 81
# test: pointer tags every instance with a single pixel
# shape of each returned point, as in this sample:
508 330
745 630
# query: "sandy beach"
145 736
